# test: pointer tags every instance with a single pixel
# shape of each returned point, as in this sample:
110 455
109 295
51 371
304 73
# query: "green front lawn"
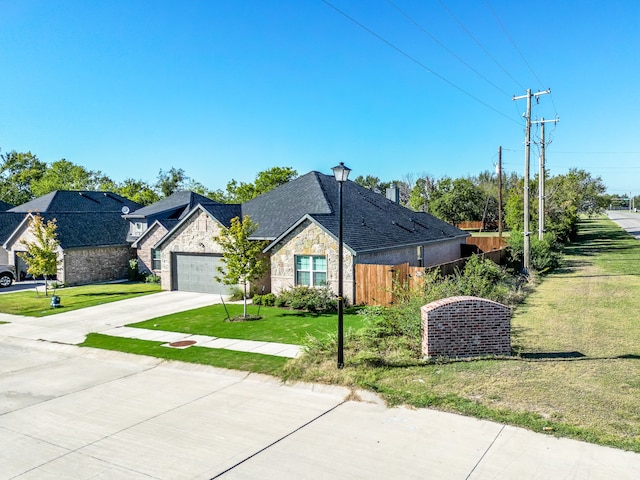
276 325
72 298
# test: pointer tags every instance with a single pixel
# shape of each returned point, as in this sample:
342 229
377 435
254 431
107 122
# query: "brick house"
299 220
149 224
91 232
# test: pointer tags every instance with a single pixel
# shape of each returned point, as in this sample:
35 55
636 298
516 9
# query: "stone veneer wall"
309 239
95 264
199 230
144 250
465 327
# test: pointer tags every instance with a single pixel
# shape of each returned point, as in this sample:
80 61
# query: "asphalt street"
629 221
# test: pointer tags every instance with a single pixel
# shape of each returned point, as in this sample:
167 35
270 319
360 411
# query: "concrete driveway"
73 327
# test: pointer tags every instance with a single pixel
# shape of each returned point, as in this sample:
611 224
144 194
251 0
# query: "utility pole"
541 177
499 172
527 156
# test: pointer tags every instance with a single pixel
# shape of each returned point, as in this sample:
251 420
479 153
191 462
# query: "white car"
7 275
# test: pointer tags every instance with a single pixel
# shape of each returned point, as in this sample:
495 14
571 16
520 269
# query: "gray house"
299 220
91 232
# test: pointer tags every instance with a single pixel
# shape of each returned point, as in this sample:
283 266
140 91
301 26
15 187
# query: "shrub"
268 299
544 254
152 278
236 293
482 278
307 298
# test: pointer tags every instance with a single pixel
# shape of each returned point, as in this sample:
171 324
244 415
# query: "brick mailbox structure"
465 327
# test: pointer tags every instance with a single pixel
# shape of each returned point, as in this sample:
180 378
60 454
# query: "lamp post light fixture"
341 173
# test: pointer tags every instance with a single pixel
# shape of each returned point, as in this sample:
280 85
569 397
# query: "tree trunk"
46 286
244 296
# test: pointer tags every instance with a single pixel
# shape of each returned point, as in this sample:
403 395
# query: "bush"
482 278
152 278
133 274
268 299
544 254
319 300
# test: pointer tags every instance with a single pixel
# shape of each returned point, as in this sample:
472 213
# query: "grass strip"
215 357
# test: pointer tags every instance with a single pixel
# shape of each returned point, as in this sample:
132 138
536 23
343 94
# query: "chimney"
393 193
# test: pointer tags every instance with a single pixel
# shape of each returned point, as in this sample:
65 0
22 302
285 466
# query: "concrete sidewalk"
252 346
80 413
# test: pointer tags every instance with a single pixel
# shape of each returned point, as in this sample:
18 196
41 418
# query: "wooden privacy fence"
375 283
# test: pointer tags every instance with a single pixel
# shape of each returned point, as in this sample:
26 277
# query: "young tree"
41 256
242 257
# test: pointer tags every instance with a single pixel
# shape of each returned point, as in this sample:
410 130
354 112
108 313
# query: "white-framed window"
311 270
156 259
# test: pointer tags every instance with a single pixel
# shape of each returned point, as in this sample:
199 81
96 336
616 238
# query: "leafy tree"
137 190
242 257
18 172
266 180
274 177
372 183
421 193
457 201
41 255
170 182
66 175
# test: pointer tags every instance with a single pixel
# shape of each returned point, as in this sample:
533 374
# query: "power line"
416 61
504 29
477 42
453 54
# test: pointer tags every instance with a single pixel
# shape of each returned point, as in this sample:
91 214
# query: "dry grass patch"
576 365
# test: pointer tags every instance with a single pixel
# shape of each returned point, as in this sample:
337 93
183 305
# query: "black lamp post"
341 173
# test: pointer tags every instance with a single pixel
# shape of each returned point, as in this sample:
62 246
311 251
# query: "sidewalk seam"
485 452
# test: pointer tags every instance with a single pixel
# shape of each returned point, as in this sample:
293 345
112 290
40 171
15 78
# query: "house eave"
413 244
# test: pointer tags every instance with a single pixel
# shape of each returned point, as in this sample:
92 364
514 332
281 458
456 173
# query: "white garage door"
196 273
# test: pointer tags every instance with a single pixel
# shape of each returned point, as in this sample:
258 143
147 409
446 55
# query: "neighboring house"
149 224
90 229
8 223
300 221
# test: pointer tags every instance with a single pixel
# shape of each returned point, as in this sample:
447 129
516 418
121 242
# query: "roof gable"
60 201
175 205
8 223
222 213
276 210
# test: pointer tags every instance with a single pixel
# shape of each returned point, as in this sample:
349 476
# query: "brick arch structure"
465 327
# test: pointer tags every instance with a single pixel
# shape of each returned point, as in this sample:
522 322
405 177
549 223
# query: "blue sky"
226 88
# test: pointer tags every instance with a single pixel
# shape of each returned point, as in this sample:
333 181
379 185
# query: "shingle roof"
89 229
8 223
371 221
278 209
180 199
223 212
5 206
76 201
